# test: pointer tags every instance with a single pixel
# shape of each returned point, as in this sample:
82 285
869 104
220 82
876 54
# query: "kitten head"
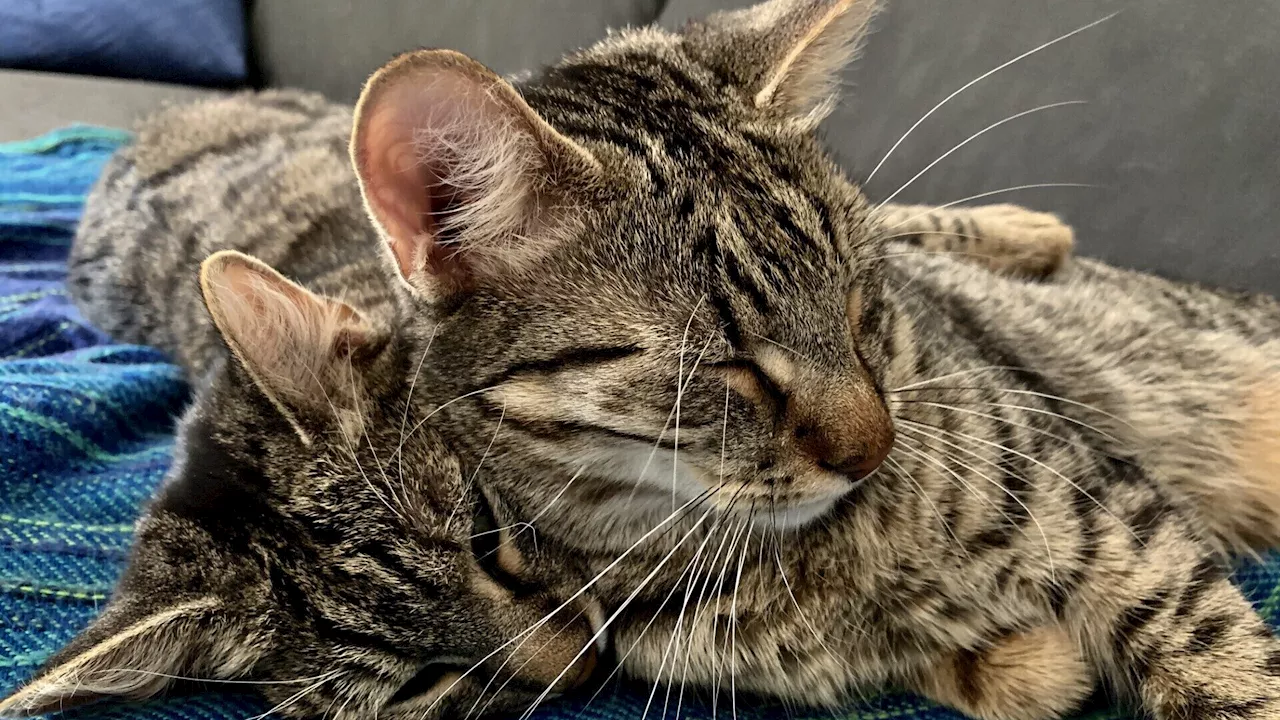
316 539
643 263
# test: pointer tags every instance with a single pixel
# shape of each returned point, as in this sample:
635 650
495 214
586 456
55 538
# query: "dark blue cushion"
183 41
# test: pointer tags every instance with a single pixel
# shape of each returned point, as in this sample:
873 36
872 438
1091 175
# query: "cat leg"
1157 614
1007 239
1038 674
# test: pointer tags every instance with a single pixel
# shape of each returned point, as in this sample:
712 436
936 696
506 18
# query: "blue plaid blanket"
86 434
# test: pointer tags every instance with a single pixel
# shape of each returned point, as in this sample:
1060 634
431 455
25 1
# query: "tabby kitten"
315 532
310 536
647 271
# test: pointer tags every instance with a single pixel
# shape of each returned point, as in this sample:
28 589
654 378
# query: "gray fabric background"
333 45
1182 132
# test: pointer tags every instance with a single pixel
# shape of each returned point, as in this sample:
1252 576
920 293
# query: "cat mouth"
790 515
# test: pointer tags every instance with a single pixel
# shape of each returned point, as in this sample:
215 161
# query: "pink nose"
857 467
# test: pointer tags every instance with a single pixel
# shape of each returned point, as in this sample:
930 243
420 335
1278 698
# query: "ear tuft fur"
786 55
461 176
298 346
132 654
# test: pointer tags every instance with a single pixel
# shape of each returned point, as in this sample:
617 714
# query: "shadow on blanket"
86 435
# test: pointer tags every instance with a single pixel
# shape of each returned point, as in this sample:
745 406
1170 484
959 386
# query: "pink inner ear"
399 185
406 147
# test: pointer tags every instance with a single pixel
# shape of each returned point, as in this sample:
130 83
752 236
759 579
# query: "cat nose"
849 453
858 467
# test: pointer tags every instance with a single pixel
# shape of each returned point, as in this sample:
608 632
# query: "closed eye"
748 379
429 682
493 549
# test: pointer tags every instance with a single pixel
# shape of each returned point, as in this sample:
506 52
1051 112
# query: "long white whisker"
471 481
657 443
1033 393
681 384
581 591
987 194
622 608
408 404
431 414
1007 421
975 136
946 527
1012 495
977 80
1039 463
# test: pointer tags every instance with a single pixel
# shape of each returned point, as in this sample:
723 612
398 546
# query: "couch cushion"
49 101
333 45
188 41
1181 134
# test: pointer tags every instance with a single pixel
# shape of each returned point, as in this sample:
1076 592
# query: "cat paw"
1028 243
1007 239
1038 674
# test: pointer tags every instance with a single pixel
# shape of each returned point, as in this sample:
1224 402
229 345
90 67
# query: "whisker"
581 591
1033 393
920 491
969 371
973 137
683 385
921 454
408 404
990 193
466 490
775 343
1051 469
295 697
657 443
351 450
1025 408
1007 421
431 414
216 681
627 602
977 80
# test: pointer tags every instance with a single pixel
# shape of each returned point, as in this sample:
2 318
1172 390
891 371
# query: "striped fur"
884 466
315 532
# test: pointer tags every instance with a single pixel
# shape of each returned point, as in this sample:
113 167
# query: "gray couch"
1180 138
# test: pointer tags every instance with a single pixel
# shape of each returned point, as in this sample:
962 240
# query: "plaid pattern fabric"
86 431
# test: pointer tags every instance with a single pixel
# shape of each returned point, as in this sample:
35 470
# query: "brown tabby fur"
797 460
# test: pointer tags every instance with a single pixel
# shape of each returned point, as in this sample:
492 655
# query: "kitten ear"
786 55
298 346
133 651
459 174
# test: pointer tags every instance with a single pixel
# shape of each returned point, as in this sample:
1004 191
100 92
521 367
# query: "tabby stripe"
571 359
330 629
728 322
1131 624
1207 573
739 278
1148 519
1208 633
1200 704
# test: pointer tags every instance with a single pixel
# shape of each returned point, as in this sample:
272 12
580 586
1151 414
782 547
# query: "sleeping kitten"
315 532
299 540
825 468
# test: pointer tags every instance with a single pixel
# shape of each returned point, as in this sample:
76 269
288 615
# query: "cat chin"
795 515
